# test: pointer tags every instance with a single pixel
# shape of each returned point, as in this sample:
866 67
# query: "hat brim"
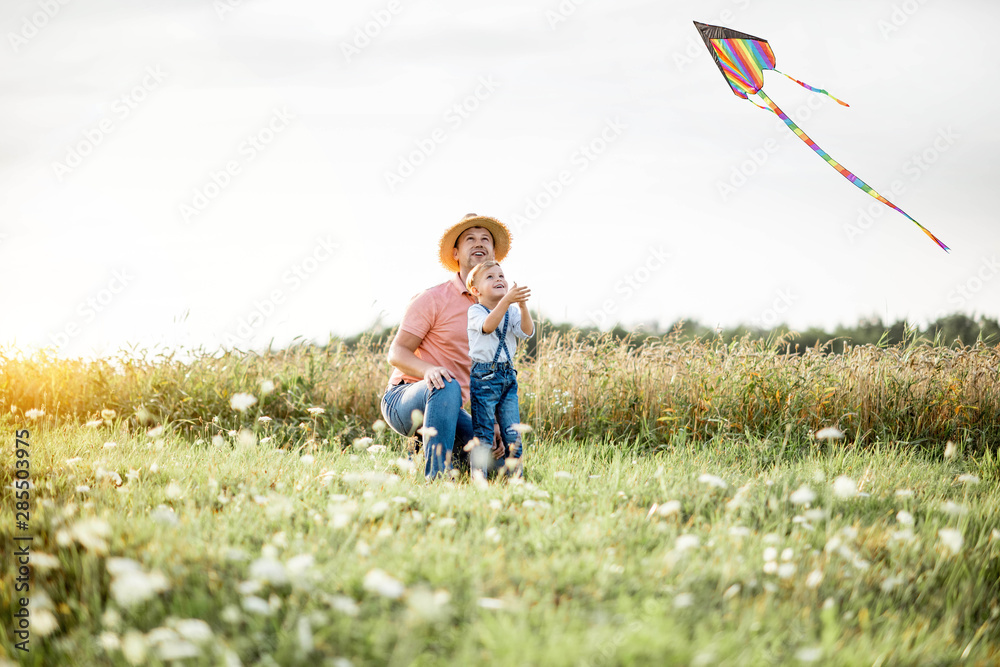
499 231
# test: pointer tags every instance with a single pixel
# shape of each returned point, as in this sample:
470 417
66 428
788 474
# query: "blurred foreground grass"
150 549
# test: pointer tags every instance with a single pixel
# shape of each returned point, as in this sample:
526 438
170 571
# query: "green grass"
573 567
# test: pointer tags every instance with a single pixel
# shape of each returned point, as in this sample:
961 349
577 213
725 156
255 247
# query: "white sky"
97 253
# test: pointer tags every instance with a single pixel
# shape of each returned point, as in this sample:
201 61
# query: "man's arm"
401 356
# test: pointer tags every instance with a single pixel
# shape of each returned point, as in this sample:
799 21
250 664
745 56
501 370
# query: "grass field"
175 529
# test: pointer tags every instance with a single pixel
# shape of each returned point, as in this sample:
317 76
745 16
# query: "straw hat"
501 238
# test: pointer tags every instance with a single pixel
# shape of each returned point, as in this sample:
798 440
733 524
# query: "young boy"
495 324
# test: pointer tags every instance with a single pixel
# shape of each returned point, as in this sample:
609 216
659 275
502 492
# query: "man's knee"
451 390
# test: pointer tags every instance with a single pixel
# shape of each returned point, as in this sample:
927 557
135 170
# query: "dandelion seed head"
952 539
242 401
686 542
379 582
712 480
844 487
802 496
954 509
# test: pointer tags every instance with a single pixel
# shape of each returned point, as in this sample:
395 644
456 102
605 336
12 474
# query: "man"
430 353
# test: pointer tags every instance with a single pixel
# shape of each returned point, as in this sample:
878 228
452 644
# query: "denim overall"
493 387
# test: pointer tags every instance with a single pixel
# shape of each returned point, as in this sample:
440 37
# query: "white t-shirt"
482 347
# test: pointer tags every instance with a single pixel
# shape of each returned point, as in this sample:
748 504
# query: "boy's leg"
485 392
508 413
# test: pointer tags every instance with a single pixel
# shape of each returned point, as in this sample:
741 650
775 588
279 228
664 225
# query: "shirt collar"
456 281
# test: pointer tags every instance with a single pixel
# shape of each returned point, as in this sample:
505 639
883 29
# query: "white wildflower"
194 630
809 654
968 479
954 509
669 508
829 433
904 517
802 496
814 579
683 600
950 450
384 584
712 480
952 539
242 401
685 542
844 487
316 411
134 647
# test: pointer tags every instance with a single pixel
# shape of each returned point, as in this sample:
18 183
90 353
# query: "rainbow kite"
742 59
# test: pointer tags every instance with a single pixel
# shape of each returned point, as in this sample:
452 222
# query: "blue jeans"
442 409
494 397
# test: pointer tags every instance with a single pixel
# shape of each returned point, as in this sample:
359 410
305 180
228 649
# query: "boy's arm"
527 326
495 317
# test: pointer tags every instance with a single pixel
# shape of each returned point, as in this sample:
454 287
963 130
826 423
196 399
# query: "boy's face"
491 284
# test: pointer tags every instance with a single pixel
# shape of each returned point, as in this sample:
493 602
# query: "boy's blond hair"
470 280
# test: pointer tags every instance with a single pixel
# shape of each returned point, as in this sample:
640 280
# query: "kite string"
815 90
839 167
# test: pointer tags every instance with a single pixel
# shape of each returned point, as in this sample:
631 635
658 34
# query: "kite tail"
815 90
836 165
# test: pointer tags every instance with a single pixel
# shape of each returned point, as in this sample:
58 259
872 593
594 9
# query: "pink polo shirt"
439 316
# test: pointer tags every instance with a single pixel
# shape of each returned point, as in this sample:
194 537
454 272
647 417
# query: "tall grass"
666 390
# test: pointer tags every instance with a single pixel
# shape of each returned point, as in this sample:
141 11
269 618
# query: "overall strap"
502 335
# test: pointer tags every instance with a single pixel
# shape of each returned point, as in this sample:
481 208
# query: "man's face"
474 246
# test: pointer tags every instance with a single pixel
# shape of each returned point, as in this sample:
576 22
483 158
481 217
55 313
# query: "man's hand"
499 450
436 376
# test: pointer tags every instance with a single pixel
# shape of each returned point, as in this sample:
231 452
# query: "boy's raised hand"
518 294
